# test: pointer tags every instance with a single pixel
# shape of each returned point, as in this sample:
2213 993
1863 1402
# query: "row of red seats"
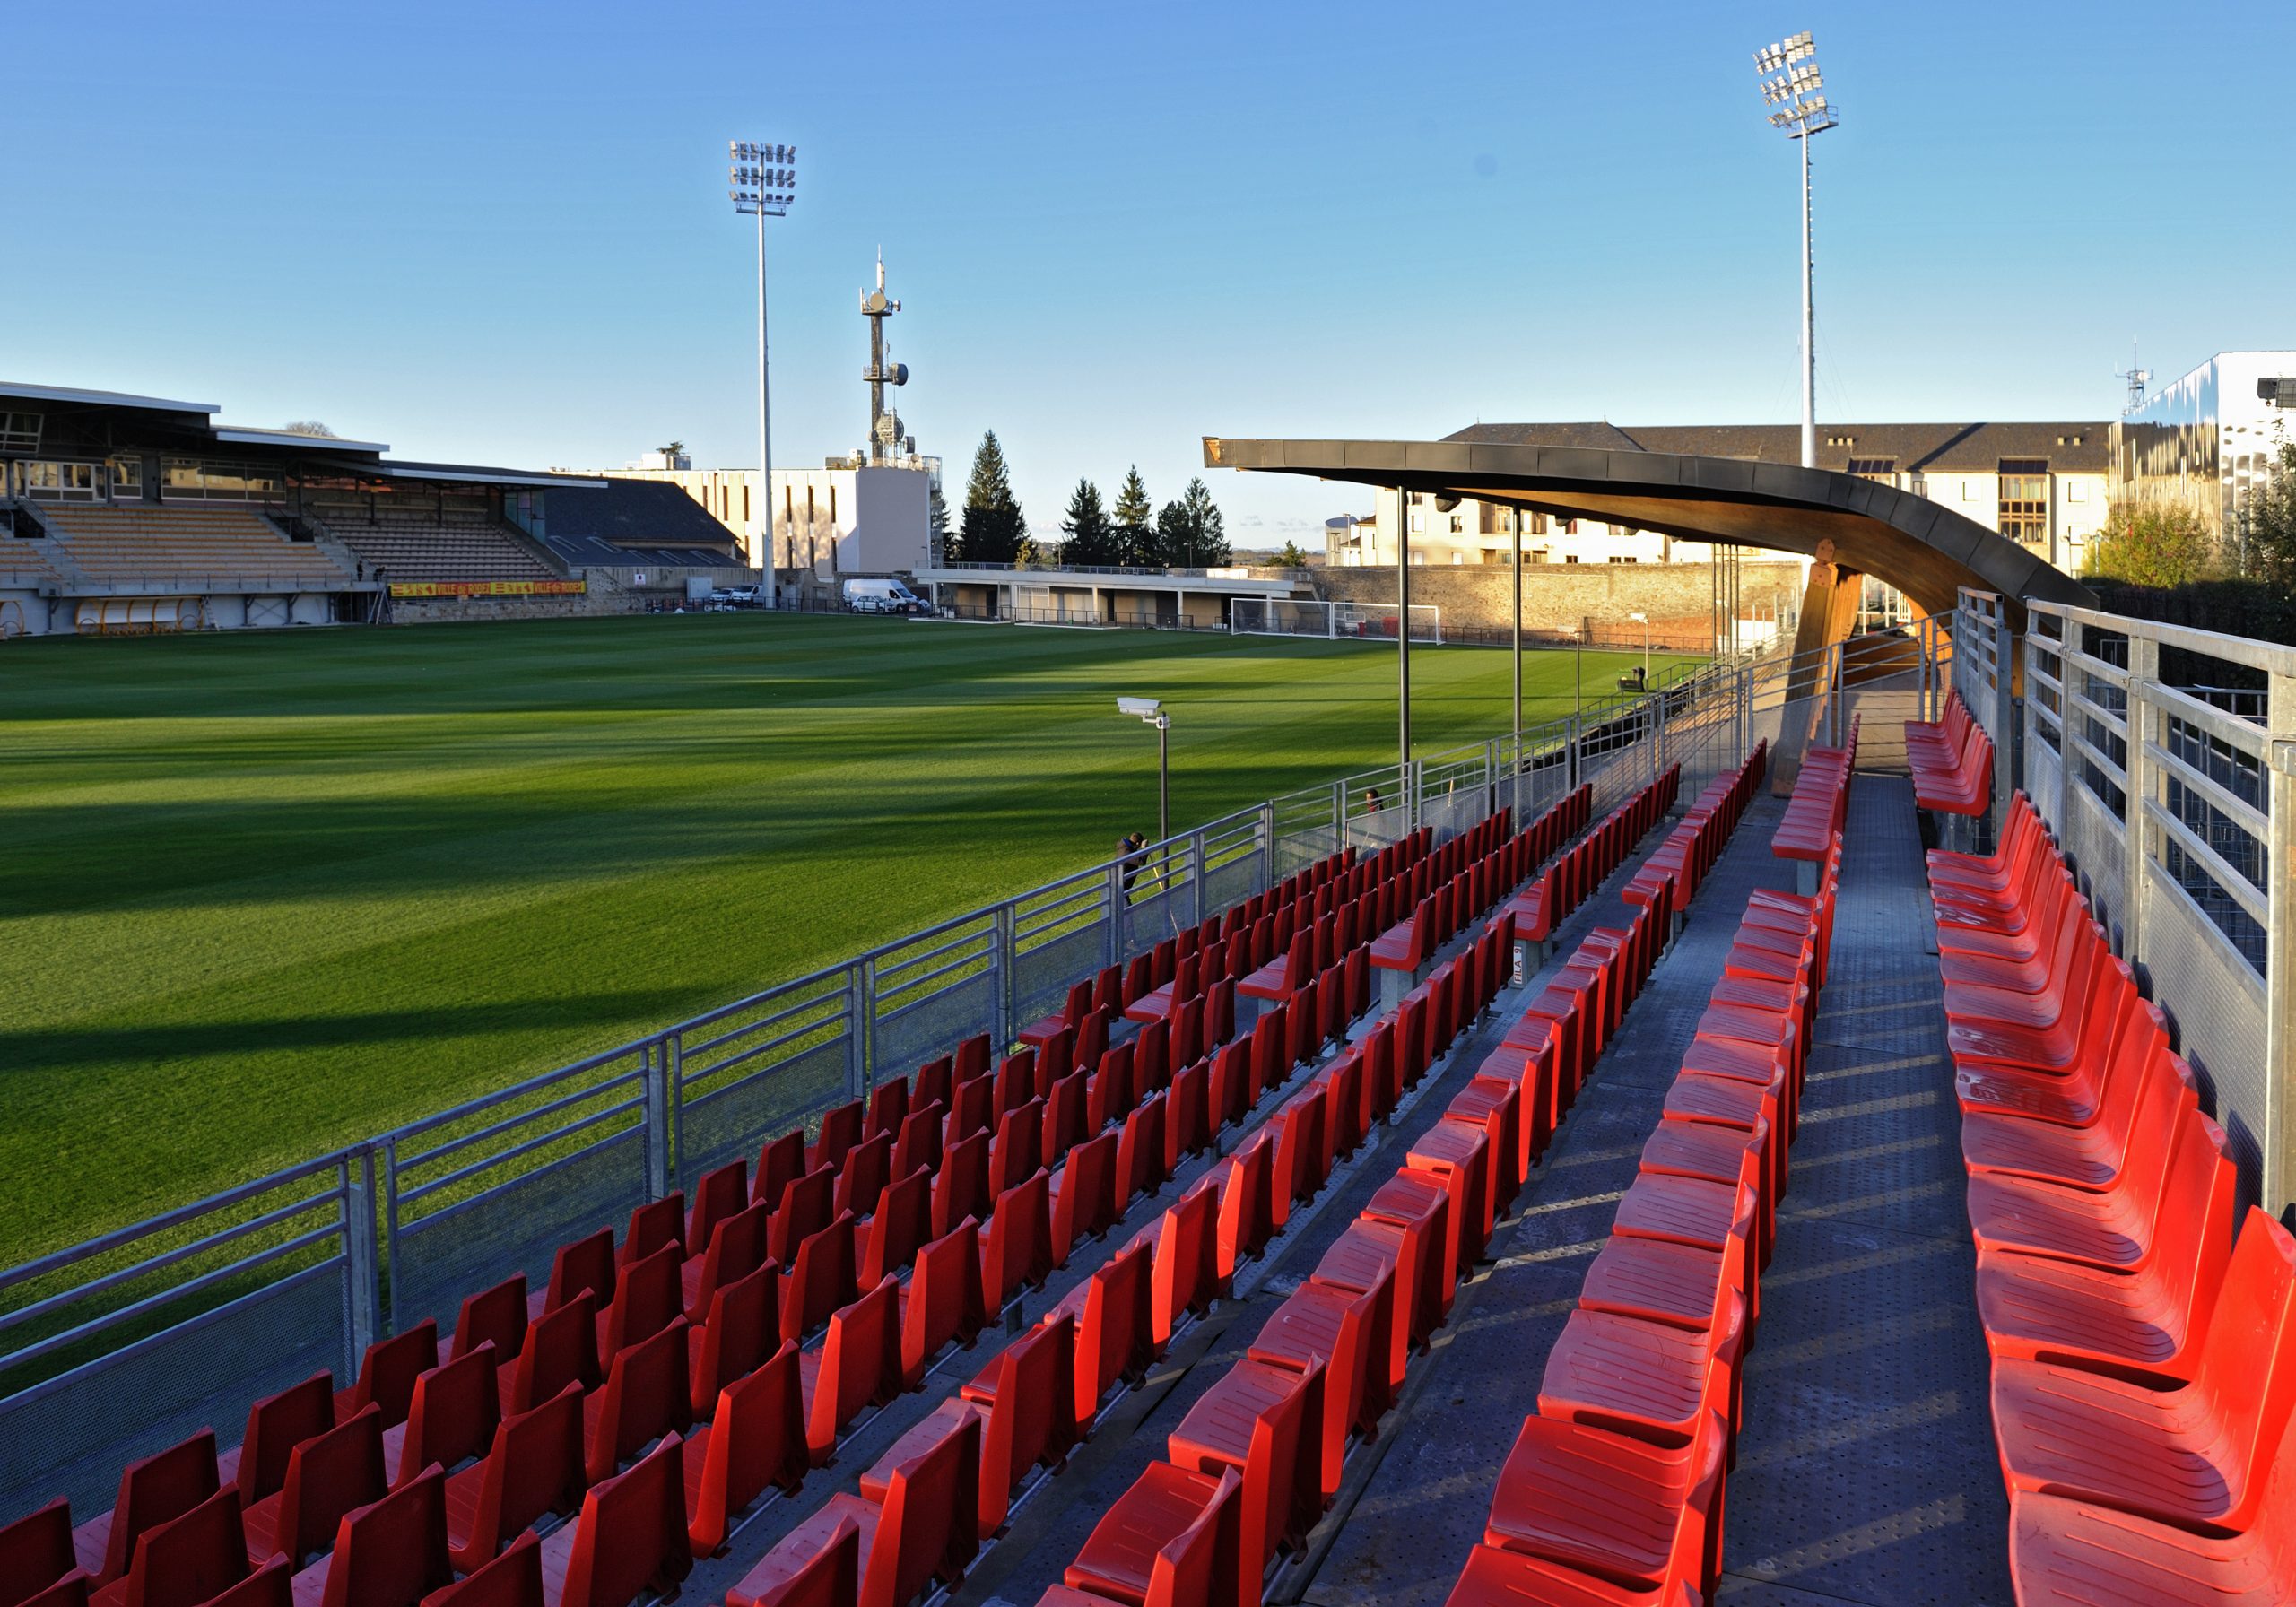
1612 1492
1447 890
1819 807
1116 989
926 1507
1260 1453
1952 760
1533 913
2143 1353
1676 868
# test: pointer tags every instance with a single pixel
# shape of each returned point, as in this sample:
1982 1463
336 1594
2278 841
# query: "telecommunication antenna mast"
2136 380
886 442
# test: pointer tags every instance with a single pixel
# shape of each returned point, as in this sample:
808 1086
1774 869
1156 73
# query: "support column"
1403 630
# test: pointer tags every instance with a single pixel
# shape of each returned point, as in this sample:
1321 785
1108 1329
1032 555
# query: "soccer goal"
1365 622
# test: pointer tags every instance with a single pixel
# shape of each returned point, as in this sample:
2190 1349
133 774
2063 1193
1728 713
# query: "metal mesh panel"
447 1244
935 1023
1041 976
2216 1005
1148 920
1233 882
2093 840
71 1436
736 1118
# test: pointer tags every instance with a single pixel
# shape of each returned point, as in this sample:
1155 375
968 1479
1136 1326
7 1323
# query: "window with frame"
193 479
1874 468
2024 505
127 478
1458 524
50 479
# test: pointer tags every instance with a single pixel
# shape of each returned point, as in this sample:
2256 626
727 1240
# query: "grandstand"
136 513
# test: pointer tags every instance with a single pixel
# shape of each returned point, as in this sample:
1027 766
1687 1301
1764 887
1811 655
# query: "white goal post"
1336 622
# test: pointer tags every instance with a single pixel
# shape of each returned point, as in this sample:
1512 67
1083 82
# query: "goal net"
1351 621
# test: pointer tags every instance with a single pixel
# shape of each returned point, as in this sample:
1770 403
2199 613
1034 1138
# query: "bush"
2256 609
2153 543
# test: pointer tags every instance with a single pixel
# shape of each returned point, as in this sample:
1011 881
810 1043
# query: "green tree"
1136 517
2154 542
1091 538
936 525
2271 516
1190 533
994 527
1291 558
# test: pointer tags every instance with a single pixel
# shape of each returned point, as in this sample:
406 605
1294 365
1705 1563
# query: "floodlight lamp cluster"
764 178
1791 82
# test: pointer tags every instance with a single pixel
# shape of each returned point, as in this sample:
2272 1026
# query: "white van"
882 596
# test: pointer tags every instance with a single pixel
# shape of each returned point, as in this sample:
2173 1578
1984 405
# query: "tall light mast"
1790 83
764 180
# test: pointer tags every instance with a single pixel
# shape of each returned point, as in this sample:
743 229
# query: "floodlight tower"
764 183
1790 83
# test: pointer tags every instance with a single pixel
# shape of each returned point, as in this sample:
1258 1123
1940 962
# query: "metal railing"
2173 799
130 1342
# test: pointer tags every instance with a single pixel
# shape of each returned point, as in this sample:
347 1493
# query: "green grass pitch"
269 894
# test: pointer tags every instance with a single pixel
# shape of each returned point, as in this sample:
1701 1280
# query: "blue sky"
499 233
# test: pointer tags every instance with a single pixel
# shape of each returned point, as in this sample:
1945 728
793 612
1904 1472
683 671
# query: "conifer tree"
1091 538
994 527
1135 528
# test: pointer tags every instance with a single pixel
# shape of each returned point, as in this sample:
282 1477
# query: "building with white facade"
2209 438
848 518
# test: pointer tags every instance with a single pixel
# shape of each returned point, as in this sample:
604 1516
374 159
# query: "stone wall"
1563 596
440 611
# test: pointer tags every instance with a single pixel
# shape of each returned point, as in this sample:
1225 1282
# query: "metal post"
2004 712
1113 953
1004 958
362 1259
1809 325
1267 841
860 1006
1516 521
1195 861
1403 628
2279 941
653 1059
764 418
2136 714
1163 777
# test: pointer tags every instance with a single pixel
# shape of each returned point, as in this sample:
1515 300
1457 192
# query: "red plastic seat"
745 1327
513 1579
858 1363
1347 1334
1114 1329
389 1553
960 1185
630 1541
867 1168
1655 1381
277 1425
328 1475
902 1225
737 1248
2197 1456
940 1305
1026 1397
648 1393
1611 1505
1418 1208
387 1372
820 1281
1185 1266
2118 1228
1171 1539
587 1262
1493 1577
1083 1196
650 1294
184 1561
1244 1182
153 1490
535 1466
808 1204
1661 1281
1458 1155
496 1316
1016 1242
755 1439
1259 1419
37 1556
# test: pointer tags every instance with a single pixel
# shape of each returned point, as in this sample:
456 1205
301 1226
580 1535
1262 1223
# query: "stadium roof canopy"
75 422
1924 549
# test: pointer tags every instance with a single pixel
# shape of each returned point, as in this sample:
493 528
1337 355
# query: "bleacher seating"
172 544
2144 1354
1821 801
1951 761
662 1383
426 547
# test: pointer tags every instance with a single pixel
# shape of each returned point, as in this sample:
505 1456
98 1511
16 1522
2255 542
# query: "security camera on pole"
764 183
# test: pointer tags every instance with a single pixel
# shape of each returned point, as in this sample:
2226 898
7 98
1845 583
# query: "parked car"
883 597
738 596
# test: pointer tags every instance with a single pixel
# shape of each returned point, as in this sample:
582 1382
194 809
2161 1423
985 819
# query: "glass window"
1458 524
1415 523
2024 499
52 481
192 479
127 478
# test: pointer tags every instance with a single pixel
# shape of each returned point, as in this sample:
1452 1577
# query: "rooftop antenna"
884 424
2135 378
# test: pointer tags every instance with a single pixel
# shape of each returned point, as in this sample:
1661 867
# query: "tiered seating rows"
410 552
1821 801
1535 913
1675 870
164 544
1259 1455
2143 1355
881 1548
1613 1491
311 1456
1952 760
